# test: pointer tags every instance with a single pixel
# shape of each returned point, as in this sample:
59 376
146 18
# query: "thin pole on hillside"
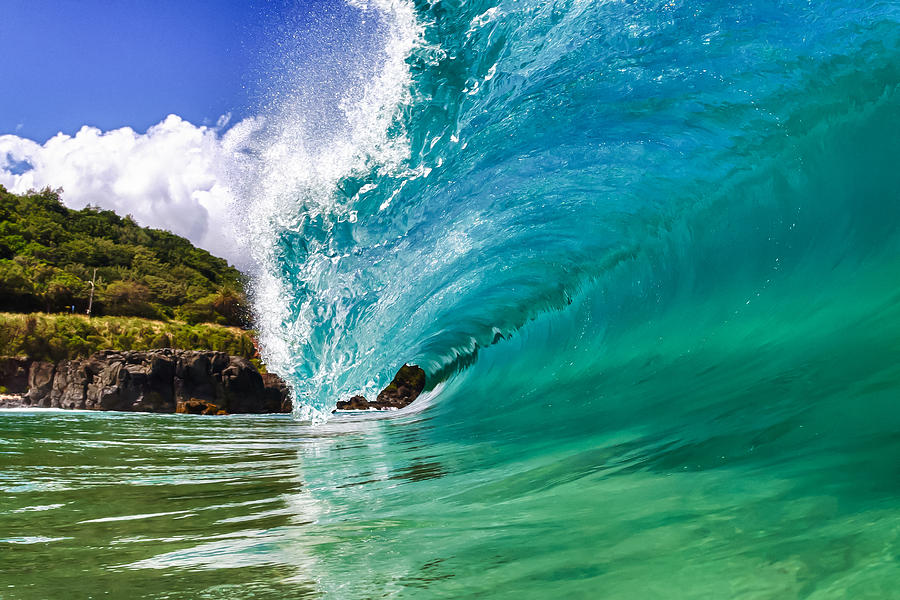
91 299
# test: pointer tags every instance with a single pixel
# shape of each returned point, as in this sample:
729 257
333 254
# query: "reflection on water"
174 506
152 505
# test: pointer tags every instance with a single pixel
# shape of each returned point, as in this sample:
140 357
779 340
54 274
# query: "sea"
648 254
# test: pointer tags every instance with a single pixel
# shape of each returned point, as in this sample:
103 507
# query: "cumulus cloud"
174 176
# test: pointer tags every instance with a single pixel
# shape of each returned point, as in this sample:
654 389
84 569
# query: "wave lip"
290 169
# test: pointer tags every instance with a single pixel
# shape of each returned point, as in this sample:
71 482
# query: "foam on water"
291 169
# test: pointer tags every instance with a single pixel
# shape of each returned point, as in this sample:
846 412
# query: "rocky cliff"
166 380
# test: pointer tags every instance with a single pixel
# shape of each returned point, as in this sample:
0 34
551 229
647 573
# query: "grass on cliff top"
55 337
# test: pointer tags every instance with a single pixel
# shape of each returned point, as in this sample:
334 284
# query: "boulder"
14 374
406 386
40 384
354 403
195 406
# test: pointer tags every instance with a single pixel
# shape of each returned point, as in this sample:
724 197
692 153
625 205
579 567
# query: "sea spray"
290 178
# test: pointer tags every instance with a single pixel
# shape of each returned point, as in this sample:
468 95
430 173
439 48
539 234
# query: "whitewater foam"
289 177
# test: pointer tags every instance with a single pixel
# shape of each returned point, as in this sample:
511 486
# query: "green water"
166 506
150 506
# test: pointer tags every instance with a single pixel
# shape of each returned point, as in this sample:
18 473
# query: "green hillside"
49 254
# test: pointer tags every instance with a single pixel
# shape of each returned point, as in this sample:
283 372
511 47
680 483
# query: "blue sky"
122 67
67 63
114 63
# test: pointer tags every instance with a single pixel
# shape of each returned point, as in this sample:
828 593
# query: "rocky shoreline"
161 381
171 381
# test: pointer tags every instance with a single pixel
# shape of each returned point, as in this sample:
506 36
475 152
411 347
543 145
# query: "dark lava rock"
354 403
69 385
40 383
165 380
278 396
14 374
408 383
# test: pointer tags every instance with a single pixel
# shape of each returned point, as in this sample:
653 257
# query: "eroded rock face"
14 374
69 385
408 383
40 383
278 396
166 380
406 386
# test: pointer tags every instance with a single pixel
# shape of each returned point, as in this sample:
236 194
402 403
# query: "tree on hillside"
128 298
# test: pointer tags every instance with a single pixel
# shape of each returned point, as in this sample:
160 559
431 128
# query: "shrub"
54 337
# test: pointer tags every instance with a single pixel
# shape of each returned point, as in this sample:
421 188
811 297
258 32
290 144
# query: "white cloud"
172 177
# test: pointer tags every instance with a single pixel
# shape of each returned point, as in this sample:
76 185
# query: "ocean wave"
504 160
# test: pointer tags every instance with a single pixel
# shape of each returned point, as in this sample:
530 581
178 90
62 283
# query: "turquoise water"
733 162
648 254
651 252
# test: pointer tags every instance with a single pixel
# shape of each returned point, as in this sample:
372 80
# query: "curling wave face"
708 166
